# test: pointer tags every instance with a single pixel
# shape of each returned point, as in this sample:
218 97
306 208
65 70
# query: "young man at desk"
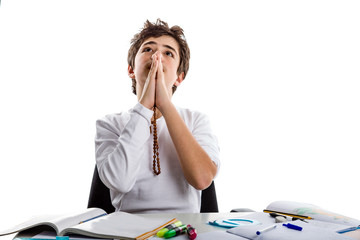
156 157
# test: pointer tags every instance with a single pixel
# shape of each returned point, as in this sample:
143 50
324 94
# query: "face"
165 46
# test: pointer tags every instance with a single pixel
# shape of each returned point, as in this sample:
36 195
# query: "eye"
170 54
147 49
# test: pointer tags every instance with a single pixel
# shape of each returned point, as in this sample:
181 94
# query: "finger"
160 69
154 67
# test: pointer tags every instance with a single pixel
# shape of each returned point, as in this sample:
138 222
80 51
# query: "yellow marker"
167 228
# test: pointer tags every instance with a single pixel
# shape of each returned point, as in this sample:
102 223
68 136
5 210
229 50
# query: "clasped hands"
156 92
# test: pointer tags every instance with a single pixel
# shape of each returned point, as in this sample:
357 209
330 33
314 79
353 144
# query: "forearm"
118 166
119 151
197 166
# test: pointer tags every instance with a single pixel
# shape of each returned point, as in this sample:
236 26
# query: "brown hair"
158 29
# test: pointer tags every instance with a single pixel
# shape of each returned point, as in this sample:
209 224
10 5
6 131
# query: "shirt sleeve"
205 137
119 150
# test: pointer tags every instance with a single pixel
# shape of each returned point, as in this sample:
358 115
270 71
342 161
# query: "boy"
156 157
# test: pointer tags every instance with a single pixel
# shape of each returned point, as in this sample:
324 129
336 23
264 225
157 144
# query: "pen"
288 214
266 229
292 226
350 229
92 218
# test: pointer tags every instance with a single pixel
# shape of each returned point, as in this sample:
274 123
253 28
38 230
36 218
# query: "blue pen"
292 226
350 229
92 218
266 229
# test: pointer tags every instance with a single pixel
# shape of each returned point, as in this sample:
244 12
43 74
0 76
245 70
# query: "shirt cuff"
144 112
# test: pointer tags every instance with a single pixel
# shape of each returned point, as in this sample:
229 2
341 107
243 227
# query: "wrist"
167 108
144 111
145 104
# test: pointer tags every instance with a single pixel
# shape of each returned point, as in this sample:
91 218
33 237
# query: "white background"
279 80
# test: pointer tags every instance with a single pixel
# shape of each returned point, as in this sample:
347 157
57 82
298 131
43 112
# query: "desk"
199 221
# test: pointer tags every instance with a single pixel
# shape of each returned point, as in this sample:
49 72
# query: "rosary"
156 159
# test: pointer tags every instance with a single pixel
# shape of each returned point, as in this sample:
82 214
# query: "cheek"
140 68
170 68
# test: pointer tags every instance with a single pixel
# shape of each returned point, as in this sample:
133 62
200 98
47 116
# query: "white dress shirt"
124 156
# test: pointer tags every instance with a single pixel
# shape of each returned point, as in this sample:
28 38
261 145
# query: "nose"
157 54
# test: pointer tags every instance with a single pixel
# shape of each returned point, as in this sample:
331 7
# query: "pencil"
288 214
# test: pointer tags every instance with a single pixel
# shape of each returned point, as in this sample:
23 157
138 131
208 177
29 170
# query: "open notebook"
94 222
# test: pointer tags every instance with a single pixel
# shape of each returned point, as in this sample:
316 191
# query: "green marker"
176 231
167 228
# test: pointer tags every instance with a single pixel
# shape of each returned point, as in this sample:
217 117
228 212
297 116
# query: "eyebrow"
155 43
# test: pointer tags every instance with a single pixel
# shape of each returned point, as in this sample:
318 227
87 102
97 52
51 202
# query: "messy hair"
158 29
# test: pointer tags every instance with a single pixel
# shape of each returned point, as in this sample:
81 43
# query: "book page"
57 222
118 225
33 222
46 235
66 221
313 211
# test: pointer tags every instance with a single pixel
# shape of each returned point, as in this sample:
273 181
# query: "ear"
179 79
131 73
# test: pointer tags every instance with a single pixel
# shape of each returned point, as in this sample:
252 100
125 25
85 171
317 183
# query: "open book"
94 222
312 211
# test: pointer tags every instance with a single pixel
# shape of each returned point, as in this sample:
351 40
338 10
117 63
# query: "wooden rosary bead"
156 159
